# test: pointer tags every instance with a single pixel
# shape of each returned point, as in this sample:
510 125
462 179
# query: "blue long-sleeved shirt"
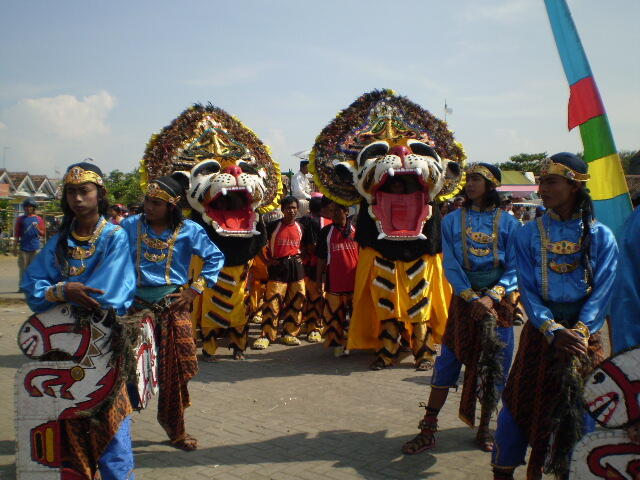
564 287
625 301
487 255
109 269
164 259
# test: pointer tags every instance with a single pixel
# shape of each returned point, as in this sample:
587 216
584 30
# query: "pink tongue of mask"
235 219
401 213
230 219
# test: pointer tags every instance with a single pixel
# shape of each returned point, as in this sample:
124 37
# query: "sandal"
238 354
314 337
261 343
378 364
484 440
290 340
426 439
207 357
188 443
424 366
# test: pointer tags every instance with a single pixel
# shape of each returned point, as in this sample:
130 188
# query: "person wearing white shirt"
301 188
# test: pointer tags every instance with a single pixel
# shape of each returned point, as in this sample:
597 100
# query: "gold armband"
497 293
198 285
548 327
582 329
55 293
469 295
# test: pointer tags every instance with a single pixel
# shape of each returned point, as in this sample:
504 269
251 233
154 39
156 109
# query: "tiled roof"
17 177
37 180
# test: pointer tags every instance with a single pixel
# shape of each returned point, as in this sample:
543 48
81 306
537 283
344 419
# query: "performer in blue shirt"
566 264
479 262
28 230
625 302
162 243
88 265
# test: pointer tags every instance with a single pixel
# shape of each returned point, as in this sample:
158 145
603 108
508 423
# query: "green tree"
524 162
123 187
629 164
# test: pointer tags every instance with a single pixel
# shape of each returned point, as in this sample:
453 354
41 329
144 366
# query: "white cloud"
63 116
51 132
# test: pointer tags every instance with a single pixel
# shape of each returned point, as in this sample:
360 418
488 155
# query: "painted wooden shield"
612 391
49 391
605 455
146 352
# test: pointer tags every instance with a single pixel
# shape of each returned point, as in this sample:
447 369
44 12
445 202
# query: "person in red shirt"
285 292
318 217
337 253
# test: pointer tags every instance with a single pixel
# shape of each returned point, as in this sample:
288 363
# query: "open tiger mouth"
231 212
401 204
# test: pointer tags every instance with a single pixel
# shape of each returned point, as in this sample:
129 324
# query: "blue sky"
87 78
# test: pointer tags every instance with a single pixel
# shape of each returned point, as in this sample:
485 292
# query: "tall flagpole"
607 186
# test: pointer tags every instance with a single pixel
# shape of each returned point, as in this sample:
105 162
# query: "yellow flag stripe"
607 178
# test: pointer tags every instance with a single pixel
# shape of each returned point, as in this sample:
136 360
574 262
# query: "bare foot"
484 439
188 443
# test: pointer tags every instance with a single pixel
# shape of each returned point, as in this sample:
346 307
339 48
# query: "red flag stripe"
584 102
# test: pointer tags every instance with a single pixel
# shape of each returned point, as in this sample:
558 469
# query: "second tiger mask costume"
386 154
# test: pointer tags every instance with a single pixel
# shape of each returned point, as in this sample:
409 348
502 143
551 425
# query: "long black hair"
584 206
68 218
491 196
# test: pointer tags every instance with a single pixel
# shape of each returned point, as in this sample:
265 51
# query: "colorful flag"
608 186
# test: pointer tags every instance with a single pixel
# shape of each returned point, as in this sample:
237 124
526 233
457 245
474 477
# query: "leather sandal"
426 439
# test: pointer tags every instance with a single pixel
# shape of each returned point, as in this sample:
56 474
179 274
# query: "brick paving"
283 414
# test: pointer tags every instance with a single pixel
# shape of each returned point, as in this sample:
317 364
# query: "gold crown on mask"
155 191
549 167
485 172
77 175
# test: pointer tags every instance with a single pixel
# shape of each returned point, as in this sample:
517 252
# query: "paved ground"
286 413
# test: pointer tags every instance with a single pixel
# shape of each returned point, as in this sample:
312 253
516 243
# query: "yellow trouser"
313 306
336 307
223 310
283 301
394 334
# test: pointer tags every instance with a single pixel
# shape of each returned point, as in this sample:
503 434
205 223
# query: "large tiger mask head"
232 176
388 152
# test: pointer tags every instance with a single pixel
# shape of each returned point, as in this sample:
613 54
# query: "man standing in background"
301 188
28 230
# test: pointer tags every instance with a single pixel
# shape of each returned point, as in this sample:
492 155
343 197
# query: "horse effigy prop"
80 360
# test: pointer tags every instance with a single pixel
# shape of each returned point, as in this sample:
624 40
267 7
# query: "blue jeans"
116 463
447 368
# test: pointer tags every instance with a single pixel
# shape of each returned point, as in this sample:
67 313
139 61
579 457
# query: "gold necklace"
81 253
154 243
157 244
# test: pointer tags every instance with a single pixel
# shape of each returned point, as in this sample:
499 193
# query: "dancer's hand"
185 298
570 342
486 301
78 293
481 307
